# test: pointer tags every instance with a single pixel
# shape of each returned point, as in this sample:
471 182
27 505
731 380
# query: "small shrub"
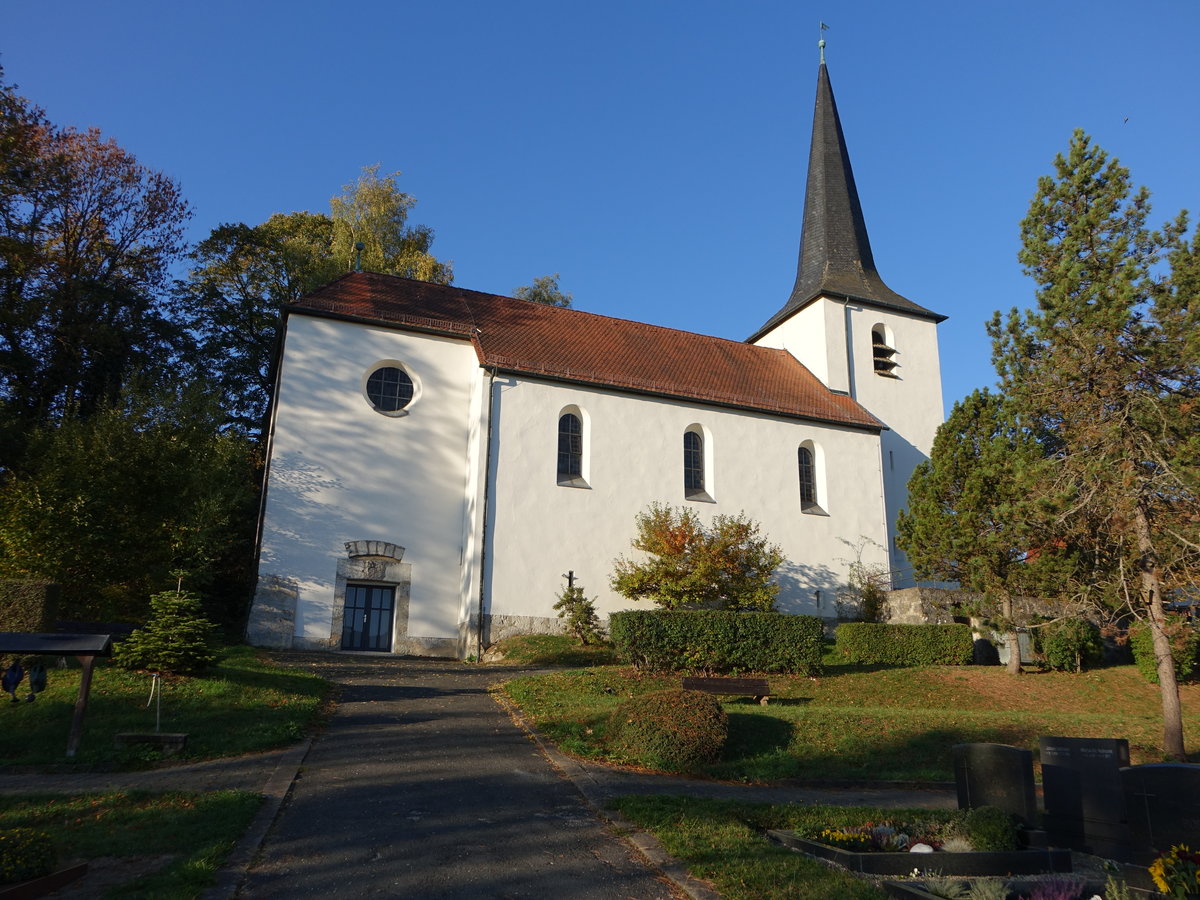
175 640
25 854
726 565
671 730
580 613
865 643
989 828
1185 648
1069 644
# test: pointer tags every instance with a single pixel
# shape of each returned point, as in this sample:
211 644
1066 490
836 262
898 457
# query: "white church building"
440 458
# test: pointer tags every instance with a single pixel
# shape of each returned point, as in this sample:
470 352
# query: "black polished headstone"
1084 799
996 775
1163 800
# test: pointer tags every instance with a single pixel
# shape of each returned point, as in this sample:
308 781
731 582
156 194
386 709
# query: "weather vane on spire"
821 42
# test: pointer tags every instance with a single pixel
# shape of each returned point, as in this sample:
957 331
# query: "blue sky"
651 151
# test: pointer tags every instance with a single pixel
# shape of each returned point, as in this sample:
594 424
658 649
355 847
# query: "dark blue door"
367 620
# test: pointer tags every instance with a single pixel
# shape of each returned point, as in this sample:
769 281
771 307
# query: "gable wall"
341 471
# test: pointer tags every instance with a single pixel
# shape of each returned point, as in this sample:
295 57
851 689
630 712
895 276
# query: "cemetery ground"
871 723
145 843
853 724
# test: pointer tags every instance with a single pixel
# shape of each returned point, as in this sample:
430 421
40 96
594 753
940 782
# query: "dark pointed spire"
835 252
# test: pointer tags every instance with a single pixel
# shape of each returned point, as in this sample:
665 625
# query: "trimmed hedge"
1185 648
866 643
28 606
715 640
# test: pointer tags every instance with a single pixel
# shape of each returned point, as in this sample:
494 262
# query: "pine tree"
971 516
1108 363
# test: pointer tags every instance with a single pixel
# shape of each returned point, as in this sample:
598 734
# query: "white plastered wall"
341 471
910 404
634 455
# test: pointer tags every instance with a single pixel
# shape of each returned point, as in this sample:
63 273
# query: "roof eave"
784 314
875 428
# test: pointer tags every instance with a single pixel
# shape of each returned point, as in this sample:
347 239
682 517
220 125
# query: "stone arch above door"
373 562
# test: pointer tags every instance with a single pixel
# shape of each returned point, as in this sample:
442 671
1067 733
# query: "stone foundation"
496 628
272 617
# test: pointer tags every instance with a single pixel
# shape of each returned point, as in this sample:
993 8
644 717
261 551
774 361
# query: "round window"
389 389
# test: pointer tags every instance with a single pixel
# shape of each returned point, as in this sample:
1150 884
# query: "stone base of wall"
497 628
442 648
272 617
307 643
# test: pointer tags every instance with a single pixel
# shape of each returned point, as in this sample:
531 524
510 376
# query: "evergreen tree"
1108 363
973 513
176 639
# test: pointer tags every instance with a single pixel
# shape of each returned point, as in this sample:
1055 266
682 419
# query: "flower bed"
896 862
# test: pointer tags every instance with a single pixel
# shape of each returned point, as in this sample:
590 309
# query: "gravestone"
996 775
1084 799
1163 800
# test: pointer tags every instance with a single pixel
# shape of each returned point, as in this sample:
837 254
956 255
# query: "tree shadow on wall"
806 589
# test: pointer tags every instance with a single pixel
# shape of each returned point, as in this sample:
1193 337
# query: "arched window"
810 464
808 478
883 351
693 464
570 447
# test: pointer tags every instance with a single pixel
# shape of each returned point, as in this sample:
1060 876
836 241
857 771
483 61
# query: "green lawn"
882 724
198 830
244 704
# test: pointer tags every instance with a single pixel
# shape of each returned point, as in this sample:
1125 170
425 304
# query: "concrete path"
422 786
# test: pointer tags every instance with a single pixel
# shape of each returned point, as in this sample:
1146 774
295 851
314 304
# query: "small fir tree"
580 614
176 640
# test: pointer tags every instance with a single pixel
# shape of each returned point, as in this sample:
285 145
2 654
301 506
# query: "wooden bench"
737 687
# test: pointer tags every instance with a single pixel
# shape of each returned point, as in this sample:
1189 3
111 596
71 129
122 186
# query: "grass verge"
199 830
244 704
880 724
722 842
554 650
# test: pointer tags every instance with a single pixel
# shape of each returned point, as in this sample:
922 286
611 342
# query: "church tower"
850 329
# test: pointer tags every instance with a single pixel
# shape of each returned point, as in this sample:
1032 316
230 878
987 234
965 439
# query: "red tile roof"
529 338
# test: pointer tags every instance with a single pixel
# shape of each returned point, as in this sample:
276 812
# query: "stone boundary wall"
937 606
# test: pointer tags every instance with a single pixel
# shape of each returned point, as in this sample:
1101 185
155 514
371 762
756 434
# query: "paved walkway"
423 786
